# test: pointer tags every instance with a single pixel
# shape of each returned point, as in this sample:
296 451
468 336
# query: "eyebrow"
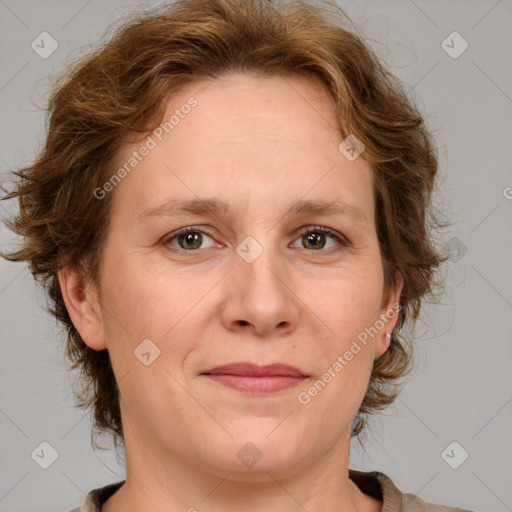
212 205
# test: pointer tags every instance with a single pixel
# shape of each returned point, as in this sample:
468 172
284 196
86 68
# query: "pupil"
314 238
190 238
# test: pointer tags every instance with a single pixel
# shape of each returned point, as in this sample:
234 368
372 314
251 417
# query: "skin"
261 144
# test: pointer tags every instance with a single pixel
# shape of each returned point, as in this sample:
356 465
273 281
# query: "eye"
188 239
314 238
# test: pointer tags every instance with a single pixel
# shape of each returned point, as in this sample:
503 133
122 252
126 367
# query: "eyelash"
304 231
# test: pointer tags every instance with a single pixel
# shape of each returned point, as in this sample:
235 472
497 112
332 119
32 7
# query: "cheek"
349 308
142 303
148 292
350 301
345 354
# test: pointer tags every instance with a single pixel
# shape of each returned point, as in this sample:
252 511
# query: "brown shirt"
374 483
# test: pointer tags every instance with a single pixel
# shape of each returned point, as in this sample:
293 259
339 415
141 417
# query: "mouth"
254 379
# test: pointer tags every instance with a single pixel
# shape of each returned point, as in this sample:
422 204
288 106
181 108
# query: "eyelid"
322 229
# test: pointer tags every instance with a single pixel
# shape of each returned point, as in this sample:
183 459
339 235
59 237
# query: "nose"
259 297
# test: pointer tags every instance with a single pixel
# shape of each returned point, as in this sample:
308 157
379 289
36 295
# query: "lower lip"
260 385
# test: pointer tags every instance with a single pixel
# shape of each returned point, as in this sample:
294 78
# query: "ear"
81 299
388 315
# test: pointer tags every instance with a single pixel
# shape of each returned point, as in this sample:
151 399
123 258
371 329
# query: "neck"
157 480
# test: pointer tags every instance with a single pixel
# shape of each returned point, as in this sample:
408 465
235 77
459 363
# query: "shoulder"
97 497
412 503
380 486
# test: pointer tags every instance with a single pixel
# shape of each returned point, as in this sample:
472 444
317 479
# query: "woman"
231 216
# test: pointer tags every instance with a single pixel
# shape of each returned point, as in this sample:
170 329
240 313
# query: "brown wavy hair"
118 91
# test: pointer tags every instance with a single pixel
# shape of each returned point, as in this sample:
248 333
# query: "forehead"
242 136
239 108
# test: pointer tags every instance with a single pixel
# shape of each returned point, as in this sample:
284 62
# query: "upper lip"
254 370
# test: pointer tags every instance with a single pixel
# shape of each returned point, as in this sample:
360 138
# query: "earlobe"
80 297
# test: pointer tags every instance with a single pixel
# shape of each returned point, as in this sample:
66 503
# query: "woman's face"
246 284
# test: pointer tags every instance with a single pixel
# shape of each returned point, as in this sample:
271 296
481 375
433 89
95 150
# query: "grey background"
461 387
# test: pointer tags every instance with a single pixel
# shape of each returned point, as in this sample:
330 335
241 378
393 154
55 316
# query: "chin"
258 446
263 467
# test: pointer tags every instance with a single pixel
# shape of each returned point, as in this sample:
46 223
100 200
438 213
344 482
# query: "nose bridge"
260 261
261 294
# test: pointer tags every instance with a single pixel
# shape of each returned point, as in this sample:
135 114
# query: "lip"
252 378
